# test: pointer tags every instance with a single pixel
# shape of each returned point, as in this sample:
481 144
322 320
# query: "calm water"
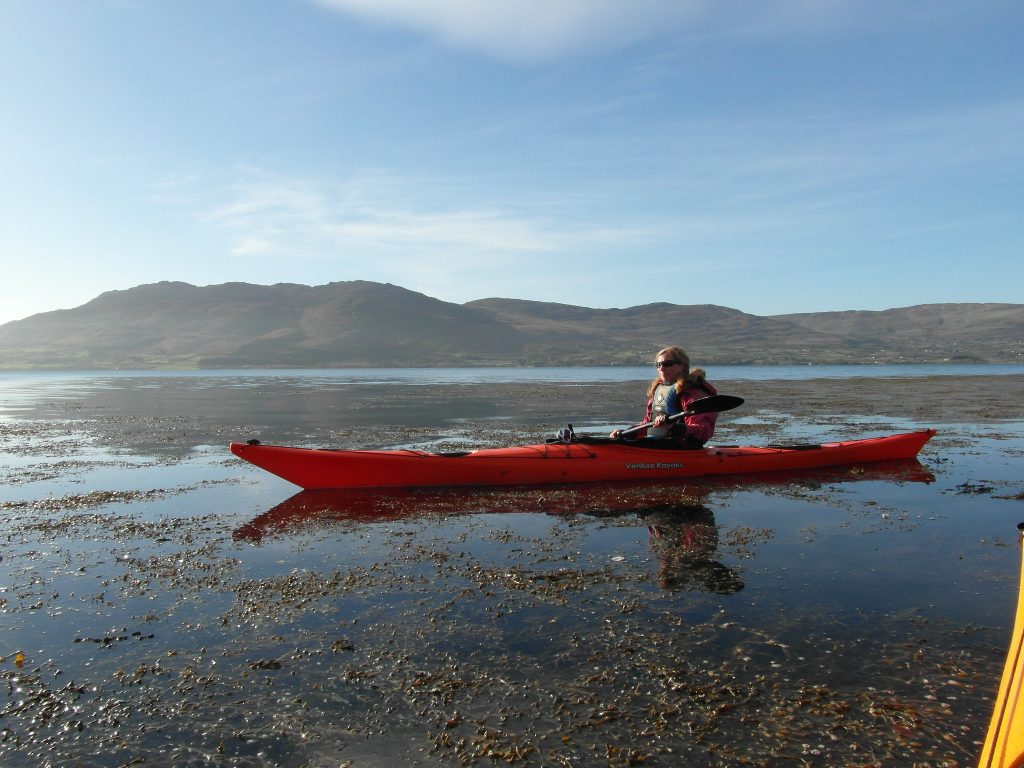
173 604
249 377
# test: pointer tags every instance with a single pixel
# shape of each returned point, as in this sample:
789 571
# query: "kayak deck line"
1004 743
556 463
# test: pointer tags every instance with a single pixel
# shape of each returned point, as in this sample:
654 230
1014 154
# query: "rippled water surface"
163 603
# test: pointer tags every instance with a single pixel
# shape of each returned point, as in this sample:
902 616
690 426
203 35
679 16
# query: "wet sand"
704 624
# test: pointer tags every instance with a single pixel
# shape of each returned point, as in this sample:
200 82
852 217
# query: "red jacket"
700 427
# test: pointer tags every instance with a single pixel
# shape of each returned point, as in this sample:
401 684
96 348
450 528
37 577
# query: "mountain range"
360 323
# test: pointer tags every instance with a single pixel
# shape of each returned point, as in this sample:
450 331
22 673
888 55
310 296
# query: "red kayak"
587 461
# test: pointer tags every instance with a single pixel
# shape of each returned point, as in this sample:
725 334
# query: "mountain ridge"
360 323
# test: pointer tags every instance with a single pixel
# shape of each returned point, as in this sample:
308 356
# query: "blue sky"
777 156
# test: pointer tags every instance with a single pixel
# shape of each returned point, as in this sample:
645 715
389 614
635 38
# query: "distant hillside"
358 323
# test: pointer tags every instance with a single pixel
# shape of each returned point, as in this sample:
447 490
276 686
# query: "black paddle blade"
710 404
715 404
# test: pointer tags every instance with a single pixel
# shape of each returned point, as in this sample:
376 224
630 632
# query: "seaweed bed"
165 604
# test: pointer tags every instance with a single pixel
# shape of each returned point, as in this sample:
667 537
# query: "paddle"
710 404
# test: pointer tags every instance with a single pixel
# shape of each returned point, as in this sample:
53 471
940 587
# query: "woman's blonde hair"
687 379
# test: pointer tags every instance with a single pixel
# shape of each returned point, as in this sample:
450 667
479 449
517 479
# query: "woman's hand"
660 419
614 434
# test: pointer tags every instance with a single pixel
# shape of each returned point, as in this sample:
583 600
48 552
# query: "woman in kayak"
672 392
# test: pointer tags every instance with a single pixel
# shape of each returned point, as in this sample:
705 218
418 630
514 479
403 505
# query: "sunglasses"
666 363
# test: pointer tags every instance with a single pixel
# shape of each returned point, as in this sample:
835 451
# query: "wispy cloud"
379 227
311 219
529 31
524 30
717 184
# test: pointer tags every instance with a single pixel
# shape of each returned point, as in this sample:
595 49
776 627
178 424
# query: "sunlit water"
176 605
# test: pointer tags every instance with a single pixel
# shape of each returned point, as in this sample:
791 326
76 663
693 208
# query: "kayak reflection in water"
685 541
671 393
682 530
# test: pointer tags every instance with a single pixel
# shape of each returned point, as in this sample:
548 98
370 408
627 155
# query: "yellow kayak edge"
1004 744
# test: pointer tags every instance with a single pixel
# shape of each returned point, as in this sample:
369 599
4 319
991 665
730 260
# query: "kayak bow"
1004 745
587 461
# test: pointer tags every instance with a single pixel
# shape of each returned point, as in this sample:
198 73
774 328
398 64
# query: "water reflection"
313 509
682 529
683 532
309 510
685 542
